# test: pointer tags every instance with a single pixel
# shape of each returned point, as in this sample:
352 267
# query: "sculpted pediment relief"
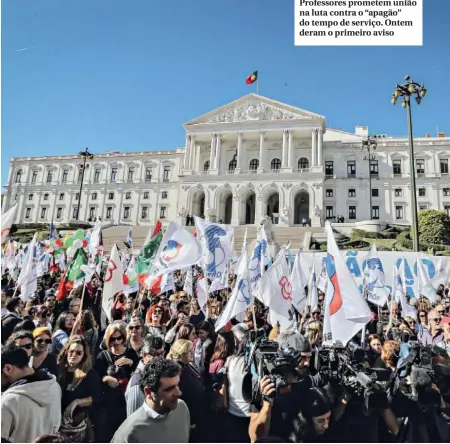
253 108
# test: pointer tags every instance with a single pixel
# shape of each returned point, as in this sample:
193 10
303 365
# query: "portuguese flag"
252 78
147 256
73 276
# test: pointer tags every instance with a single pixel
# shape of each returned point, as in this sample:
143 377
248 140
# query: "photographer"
277 413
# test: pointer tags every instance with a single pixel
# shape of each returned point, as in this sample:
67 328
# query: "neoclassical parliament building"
247 159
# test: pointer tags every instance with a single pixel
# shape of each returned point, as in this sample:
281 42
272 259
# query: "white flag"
220 282
346 311
239 301
399 292
200 292
216 242
113 282
298 281
374 279
313 295
7 221
28 275
95 239
425 287
178 250
132 285
276 292
188 281
259 259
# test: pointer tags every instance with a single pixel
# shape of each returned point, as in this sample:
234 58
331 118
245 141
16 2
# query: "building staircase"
300 237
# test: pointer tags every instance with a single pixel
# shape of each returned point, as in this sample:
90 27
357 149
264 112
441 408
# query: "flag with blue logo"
259 260
129 241
399 291
374 279
52 234
28 277
299 282
216 241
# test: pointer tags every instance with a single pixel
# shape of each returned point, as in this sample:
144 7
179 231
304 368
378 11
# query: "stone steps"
297 236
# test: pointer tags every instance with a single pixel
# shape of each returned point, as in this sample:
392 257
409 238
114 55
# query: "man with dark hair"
163 417
30 402
152 347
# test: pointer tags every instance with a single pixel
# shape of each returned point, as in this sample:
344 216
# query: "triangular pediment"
253 107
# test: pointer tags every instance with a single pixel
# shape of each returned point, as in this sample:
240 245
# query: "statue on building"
266 223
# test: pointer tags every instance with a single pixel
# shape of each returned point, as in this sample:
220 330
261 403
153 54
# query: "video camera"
345 366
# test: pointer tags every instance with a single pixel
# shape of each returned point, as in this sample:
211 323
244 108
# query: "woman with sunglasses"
136 333
114 366
156 318
80 389
42 358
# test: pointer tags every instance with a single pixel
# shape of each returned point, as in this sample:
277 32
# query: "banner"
356 262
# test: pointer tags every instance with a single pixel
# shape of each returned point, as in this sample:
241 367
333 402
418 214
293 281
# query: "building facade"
247 159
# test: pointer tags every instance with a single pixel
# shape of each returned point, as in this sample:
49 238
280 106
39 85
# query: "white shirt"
152 413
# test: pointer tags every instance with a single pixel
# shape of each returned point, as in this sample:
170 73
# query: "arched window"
275 164
254 164
303 163
206 166
18 176
232 165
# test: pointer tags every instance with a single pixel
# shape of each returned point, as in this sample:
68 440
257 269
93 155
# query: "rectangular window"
46 196
397 167
110 196
34 177
146 194
422 192
329 170
30 197
94 196
422 207
329 212
447 209
375 192
166 173
77 196
374 167
131 174
80 174
50 176
398 192
420 166
329 193
375 212
27 213
446 192
65 175
113 174
148 174
74 212
61 196
126 212
352 212
59 213
162 212
128 195
399 212
351 168
444 166
351 192
164 195
109 212
144 213
97 175
92 212
43 212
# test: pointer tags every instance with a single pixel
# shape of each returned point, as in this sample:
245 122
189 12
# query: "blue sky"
115 74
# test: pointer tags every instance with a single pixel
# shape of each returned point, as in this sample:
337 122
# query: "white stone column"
313 147
239 153
319 147
192 149
235 210
284 160
218 152
262 157
291 149
211 155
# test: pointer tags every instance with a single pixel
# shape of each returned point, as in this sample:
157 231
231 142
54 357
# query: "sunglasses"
75 352
158 312
116 338
27 346
434 319
134 327
44 341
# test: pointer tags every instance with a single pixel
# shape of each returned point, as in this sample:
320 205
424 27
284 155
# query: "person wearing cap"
42 358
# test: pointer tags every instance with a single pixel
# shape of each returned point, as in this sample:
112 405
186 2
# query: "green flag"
75 272
148 253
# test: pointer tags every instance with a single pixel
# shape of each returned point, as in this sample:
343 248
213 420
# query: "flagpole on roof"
257 84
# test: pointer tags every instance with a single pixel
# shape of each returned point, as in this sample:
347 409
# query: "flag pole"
257 84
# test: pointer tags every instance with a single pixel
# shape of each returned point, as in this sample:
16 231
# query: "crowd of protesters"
159 372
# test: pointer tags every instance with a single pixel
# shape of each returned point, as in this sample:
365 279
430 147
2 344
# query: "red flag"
157 228
64 287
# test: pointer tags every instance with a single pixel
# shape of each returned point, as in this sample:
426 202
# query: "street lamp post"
407 90
85 155
370 144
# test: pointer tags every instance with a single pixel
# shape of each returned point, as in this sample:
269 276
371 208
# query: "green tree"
434 227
